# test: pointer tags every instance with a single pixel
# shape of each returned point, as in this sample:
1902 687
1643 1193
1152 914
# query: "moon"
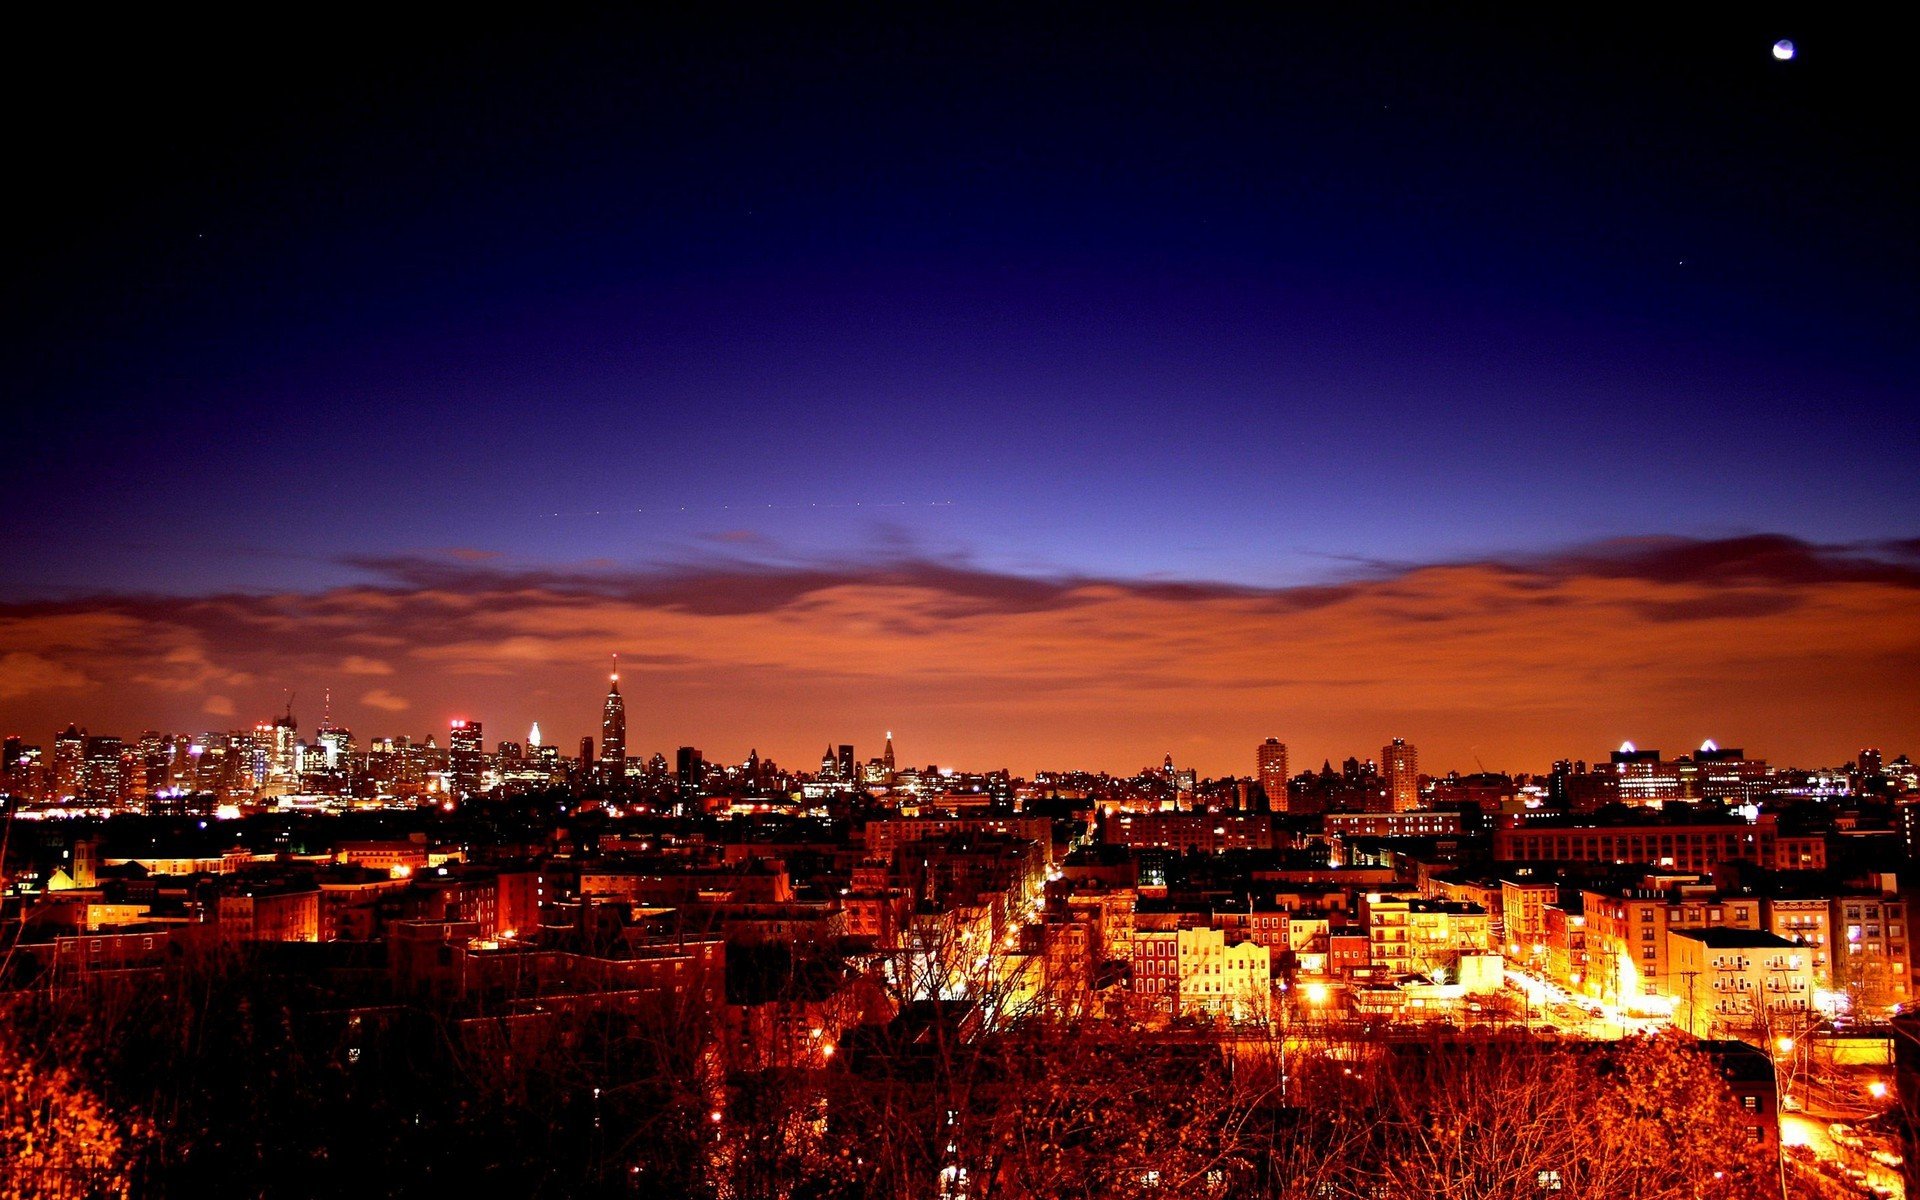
1783 49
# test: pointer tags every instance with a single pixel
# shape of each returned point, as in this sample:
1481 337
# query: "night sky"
1052 391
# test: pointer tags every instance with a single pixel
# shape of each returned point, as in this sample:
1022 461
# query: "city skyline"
1509 662
1268 759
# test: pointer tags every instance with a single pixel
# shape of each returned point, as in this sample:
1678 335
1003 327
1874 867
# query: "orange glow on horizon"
1473 662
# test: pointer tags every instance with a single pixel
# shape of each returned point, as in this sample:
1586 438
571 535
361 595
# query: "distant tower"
466 757
282 735
829 765
69 762
1400 765
335 743
613 727
1271 759
690 770
848 770
886 756
533 738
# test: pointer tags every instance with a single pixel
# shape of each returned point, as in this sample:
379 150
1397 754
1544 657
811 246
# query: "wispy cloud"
1795 648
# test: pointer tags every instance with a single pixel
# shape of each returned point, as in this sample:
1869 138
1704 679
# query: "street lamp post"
1783 1047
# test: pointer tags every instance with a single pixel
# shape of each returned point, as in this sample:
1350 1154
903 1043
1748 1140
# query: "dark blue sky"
1212 294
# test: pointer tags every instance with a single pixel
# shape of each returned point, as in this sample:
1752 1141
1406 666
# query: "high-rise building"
690 770
1723 773
1645 778
69 763
279 743
336 748
466 757
533 741
1870 762
848 769
13 767
886 756
335 754
25 775
613 729
1270 759
103 777
155 765
1400 766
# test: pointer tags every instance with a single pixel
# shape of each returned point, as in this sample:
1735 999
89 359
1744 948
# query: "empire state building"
613 730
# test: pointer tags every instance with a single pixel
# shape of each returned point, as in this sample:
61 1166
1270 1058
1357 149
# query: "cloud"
217 706
1800 650
1759 559
23 673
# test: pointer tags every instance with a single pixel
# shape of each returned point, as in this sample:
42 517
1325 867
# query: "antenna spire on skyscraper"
613 728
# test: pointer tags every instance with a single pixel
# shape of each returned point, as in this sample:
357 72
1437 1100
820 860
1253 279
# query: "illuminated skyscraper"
149 773
1645 778
104 776
533 741
848 769
466 757
13 767
886 756
1271 759
69 763
613 729
279 741
1400 767
336 754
